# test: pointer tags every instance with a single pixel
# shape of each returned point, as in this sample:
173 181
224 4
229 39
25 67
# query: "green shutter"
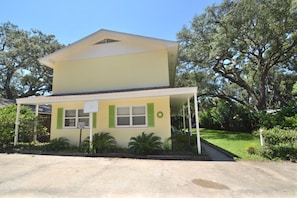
94 120
111 112
60 118
150 115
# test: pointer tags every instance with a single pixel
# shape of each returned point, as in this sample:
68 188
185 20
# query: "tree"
21 73
246 48
27 121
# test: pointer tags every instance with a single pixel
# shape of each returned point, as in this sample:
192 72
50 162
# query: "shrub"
26 129
251 150
267 120
102 143
182 141
166 144
58 144
284 118
145 144
228 116
7 120
279 143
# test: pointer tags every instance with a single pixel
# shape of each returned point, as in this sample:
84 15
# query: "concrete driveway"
55 176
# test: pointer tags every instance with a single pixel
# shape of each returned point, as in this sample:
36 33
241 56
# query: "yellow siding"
122 135
148 69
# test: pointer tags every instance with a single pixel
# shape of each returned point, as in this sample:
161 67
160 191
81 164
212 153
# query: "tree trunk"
261 103
7 87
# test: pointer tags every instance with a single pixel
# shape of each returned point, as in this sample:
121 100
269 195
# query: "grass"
235 142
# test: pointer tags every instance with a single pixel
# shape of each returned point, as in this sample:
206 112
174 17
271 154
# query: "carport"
179 97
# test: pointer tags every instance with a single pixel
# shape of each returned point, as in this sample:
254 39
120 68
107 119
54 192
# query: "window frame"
131 116
76 117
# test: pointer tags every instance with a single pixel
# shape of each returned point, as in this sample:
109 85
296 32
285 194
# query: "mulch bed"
188 156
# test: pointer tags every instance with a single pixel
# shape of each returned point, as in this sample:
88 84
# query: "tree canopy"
243 51
21 74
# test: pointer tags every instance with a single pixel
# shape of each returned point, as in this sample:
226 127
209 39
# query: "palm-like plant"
102 143
58 144
145 144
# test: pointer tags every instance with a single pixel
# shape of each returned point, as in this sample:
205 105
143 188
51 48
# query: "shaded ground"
214 153
56 176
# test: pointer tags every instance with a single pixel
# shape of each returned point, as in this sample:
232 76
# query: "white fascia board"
187 91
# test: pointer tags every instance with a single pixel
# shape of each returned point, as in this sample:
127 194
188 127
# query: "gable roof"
105 43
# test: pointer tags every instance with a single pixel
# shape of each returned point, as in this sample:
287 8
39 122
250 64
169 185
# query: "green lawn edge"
237 143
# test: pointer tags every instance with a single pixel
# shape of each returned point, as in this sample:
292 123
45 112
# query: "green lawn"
234 142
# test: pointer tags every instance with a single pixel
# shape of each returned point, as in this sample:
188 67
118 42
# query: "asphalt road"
55 176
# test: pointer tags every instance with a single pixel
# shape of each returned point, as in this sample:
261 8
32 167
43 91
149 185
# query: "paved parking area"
56 176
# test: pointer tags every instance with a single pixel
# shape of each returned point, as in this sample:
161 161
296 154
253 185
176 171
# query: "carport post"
35 123
184 118
190 118
91 130
197 124
17 123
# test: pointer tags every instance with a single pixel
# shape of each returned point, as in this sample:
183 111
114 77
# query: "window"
74 116
131 116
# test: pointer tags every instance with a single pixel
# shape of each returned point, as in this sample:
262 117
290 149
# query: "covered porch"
179 98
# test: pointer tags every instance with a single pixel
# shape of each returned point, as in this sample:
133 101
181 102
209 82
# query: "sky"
71 20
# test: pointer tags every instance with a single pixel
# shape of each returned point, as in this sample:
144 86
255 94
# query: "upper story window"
130 116
73 117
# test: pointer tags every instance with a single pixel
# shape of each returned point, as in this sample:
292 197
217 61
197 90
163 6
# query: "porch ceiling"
177 102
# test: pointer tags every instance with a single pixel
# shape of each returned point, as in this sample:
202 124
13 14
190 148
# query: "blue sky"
71 20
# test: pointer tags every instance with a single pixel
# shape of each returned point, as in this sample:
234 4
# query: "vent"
105 41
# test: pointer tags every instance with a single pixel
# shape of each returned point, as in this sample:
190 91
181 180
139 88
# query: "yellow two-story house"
113 82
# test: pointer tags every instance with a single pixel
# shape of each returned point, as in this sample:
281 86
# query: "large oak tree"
244 51
21 74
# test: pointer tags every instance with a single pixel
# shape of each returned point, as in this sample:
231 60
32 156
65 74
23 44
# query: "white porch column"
190 118
17 123
197 124
91 130
35 123
184 118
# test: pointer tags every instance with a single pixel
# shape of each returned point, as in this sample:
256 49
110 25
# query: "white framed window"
73 116
131 116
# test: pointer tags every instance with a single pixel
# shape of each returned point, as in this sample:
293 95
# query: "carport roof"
178 96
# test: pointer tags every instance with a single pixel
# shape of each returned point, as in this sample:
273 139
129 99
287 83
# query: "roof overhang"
178 96
93 47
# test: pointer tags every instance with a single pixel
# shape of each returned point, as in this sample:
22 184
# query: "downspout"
17 123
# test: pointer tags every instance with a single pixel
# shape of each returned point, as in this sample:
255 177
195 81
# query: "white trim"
76 117
130 117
